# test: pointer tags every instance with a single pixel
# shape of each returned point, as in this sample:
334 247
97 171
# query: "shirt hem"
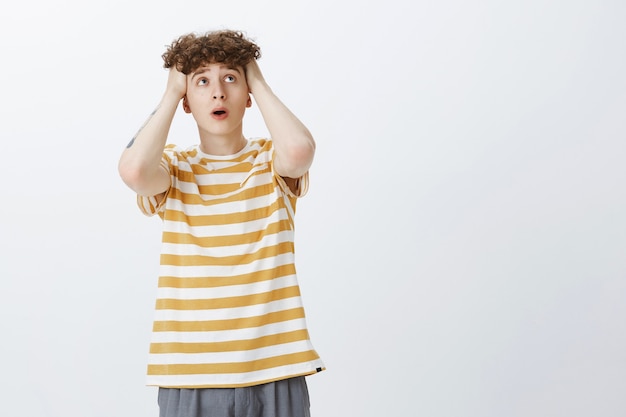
242 385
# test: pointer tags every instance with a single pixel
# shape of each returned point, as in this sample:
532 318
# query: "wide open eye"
203 81
230 79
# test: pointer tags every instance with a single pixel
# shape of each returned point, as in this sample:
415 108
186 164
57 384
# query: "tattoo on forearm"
132 141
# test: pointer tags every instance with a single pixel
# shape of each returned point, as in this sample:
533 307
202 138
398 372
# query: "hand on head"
177 82
254 77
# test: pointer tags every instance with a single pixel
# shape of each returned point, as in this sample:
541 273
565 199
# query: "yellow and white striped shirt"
228 308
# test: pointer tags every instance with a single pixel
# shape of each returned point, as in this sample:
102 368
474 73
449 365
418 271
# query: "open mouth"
219 112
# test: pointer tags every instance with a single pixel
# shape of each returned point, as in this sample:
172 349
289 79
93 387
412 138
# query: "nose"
218 91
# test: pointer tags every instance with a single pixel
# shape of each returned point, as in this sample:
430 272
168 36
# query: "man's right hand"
177 83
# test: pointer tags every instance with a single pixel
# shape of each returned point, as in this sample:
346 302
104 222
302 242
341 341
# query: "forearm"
139 165
294 145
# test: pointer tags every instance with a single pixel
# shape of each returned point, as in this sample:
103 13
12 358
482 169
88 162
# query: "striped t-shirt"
228 309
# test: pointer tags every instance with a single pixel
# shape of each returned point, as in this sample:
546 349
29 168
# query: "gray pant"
286 398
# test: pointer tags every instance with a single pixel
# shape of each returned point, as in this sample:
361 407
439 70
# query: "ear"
186 107
249 103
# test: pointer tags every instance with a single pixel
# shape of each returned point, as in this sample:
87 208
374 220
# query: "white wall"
461 250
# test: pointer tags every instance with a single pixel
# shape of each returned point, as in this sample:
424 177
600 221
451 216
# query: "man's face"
217 96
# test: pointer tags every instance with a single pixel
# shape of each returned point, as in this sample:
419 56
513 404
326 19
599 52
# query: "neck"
218 145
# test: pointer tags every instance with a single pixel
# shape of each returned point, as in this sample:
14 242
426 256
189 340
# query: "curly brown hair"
189 52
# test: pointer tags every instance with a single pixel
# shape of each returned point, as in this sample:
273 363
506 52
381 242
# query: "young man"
229 336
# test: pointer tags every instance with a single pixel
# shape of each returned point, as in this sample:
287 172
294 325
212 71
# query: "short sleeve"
301 185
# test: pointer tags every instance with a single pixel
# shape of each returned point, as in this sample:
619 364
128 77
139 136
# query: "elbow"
135 175
143 179
295 161
130 174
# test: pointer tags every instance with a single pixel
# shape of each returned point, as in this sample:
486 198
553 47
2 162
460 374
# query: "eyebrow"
202 70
